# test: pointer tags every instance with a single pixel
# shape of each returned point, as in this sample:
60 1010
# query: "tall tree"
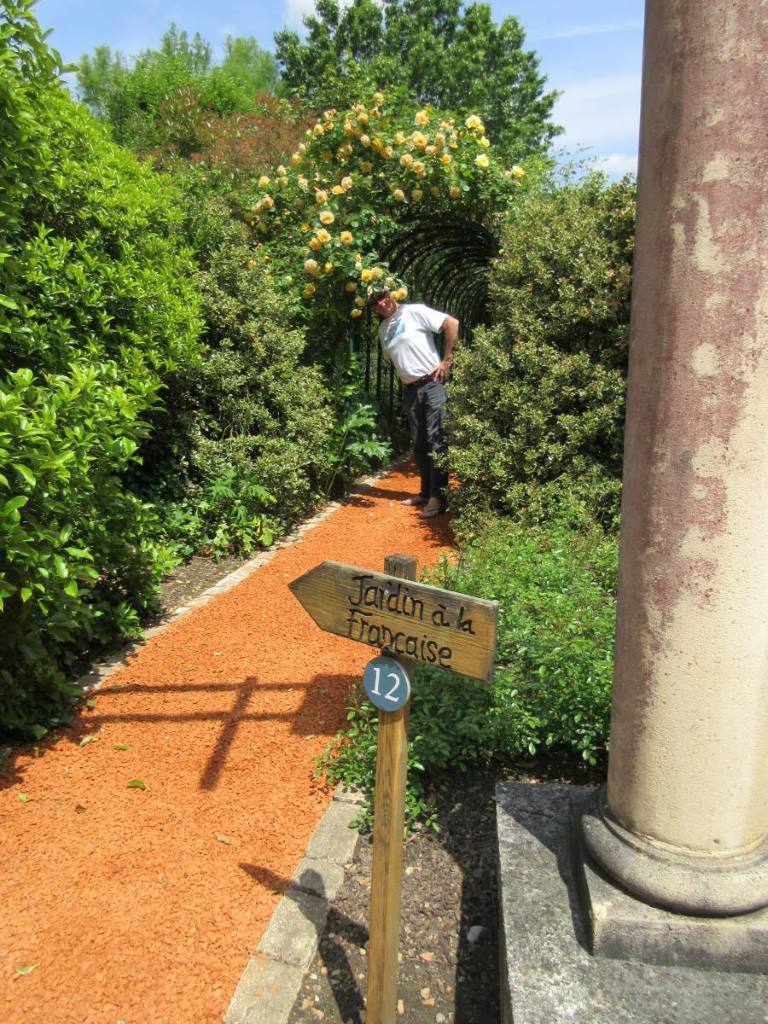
132 97
444 53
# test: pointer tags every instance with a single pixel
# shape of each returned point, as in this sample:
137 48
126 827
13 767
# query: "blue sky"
590 51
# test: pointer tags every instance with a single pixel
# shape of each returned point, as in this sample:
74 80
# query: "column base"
682 882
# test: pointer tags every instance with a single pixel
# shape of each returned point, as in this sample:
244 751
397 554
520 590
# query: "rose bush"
325 217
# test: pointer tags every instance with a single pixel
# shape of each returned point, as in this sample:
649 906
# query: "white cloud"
294 11
591 30
603 113
617 164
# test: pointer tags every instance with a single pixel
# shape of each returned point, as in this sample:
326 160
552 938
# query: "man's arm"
451 335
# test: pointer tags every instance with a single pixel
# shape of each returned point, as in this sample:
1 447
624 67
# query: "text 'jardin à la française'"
371 596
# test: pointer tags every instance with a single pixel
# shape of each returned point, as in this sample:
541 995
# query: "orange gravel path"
126 901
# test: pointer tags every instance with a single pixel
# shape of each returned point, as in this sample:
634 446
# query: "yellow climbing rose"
346 238
399 195
350 286
366 275
473 121
264 181
406 160
445 159
422 117
311 266
482 160
326 217
309 291
378 98
321 197
355 312
416 194
323 236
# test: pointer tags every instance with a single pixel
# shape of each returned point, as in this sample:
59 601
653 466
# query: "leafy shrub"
97 308
244 448
551 685
555 587
538 400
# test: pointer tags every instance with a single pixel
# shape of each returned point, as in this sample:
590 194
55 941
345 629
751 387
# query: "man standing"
407 336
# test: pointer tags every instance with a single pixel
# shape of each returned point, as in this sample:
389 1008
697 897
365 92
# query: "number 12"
392 693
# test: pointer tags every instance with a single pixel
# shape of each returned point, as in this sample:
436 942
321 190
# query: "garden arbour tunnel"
446 261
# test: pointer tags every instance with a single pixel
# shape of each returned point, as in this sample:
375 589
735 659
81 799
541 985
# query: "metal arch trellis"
445 260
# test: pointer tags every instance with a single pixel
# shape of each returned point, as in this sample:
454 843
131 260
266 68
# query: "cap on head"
374 294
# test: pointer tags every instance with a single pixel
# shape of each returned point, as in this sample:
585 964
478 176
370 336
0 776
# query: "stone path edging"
272 978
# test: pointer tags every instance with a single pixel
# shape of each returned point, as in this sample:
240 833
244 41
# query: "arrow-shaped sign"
411 620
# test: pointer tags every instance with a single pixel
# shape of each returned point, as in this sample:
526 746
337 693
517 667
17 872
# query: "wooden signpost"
411 622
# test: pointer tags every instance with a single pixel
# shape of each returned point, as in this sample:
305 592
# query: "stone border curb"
272 978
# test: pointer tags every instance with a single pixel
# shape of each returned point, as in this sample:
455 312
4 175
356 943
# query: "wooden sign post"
412 622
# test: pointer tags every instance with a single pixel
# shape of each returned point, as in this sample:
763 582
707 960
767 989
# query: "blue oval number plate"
387 684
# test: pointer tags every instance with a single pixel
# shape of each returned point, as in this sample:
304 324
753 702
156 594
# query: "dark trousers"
425 409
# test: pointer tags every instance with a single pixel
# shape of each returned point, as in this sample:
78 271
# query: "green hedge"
97 309
244 448
537 401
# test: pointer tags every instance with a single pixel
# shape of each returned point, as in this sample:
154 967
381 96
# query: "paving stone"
333 839
295 927
549 975
265 993
321 877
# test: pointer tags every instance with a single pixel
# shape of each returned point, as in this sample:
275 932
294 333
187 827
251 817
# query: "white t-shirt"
408 340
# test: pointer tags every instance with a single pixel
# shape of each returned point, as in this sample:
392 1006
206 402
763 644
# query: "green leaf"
62 569
15 503
25 593
121 746
87 739
137 784
23 971
24 798
26 473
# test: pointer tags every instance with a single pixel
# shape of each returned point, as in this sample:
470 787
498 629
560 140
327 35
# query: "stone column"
686 821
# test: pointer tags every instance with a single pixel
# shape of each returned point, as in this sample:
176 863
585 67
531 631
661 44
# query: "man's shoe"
415 502
433 510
